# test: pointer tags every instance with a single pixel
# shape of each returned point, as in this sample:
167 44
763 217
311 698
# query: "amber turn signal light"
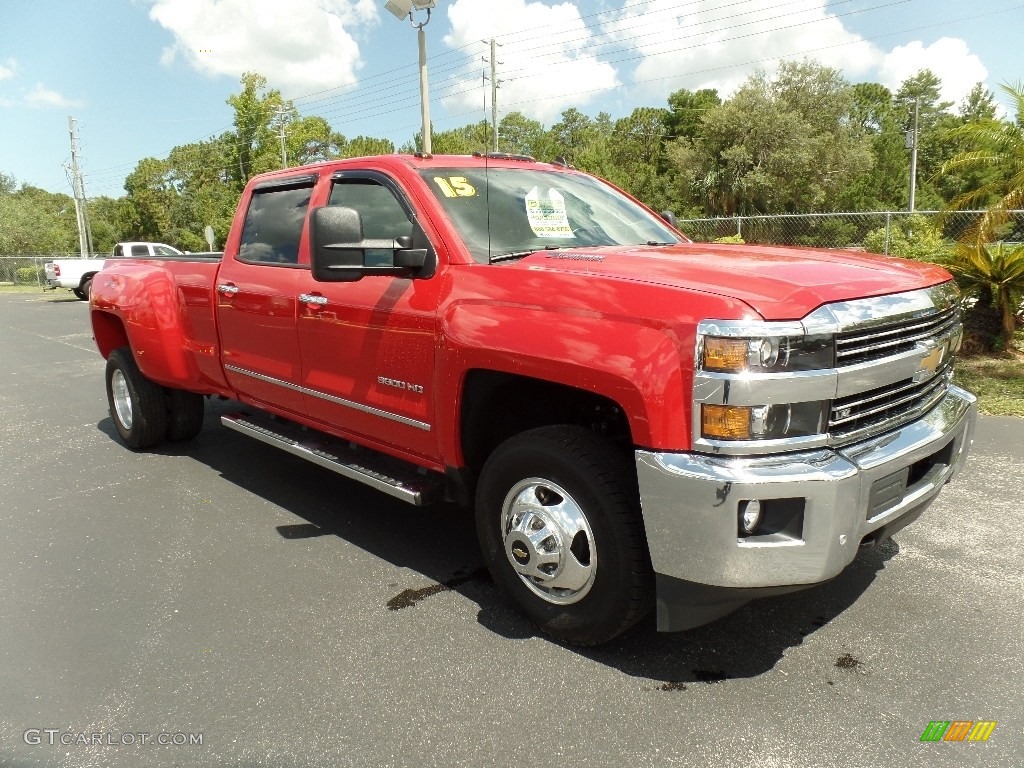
727 422
725 354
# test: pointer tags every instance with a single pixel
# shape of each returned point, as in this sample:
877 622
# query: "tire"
558 518
184 415
86 290
137 405
79 293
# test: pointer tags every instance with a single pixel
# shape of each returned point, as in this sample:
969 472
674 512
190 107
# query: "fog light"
750 516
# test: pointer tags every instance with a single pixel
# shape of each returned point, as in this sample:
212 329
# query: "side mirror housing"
338 250
670 217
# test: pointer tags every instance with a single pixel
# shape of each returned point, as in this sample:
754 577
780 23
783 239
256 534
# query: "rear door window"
273 224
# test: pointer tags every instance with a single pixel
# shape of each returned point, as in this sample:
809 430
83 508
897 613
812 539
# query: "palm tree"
998 145
994 272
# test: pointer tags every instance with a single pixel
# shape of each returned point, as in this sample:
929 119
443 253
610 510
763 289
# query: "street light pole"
424 87
405 9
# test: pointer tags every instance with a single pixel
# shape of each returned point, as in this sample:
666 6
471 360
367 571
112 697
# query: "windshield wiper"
655 242
522 254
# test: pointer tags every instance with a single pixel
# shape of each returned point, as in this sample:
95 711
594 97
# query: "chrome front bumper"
835 499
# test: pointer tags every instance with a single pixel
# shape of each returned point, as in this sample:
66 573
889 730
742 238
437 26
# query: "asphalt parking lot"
289 617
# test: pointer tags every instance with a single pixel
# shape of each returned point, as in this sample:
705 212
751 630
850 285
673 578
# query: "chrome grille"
886 407
868 344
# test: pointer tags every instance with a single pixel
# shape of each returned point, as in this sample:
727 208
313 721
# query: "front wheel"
85 291
558 519
137 405
80 294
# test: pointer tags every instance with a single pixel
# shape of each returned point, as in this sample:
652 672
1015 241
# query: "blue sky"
142 76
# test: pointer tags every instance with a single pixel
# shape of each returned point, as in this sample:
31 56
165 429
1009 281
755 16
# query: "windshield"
533 210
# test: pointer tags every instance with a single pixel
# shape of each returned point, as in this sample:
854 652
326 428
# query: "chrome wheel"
122 398
548 541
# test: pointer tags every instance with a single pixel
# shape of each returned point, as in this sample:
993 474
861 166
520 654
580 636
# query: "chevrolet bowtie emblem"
931 362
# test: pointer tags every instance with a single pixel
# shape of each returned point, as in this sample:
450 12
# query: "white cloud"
701 45
948 57
42 97
545 68
299 46
7 69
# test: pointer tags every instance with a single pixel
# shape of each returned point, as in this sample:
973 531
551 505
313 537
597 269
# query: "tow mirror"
338 251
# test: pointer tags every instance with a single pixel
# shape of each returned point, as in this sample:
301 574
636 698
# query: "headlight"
766 354
762 422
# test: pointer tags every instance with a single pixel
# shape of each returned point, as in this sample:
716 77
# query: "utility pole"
78 188
282 121
495 82
912 145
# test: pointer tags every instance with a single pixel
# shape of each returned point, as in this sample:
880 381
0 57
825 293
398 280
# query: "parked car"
639 421
76 274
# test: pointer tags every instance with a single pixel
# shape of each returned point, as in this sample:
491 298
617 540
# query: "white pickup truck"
76 274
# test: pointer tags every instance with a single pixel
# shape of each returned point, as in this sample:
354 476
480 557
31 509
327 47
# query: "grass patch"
58 295
11 288
997 381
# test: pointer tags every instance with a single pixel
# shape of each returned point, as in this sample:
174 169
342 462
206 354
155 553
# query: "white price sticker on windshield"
547 216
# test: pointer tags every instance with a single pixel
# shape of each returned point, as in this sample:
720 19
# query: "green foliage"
995 150
781 144
33 220
365 146
800 141
29 276
995 274
736 239
911 237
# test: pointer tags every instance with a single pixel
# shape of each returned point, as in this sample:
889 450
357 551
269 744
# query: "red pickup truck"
638 420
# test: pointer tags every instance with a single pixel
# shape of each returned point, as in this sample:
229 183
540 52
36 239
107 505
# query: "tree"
365 146
255 146
33 220
996 272
883 186
778 145
636 151
687 109
999 146
934 121
151 195
312 140
519 135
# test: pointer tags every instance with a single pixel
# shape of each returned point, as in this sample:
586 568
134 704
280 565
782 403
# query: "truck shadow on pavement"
439 543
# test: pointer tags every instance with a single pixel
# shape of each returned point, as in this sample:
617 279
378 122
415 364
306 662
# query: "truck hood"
779 283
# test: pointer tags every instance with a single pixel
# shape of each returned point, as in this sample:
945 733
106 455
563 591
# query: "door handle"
311 298
227 289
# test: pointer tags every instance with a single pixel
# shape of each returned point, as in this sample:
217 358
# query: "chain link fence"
23 270
876 231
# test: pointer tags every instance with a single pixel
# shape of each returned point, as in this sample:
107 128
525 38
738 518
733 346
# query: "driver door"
368 347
